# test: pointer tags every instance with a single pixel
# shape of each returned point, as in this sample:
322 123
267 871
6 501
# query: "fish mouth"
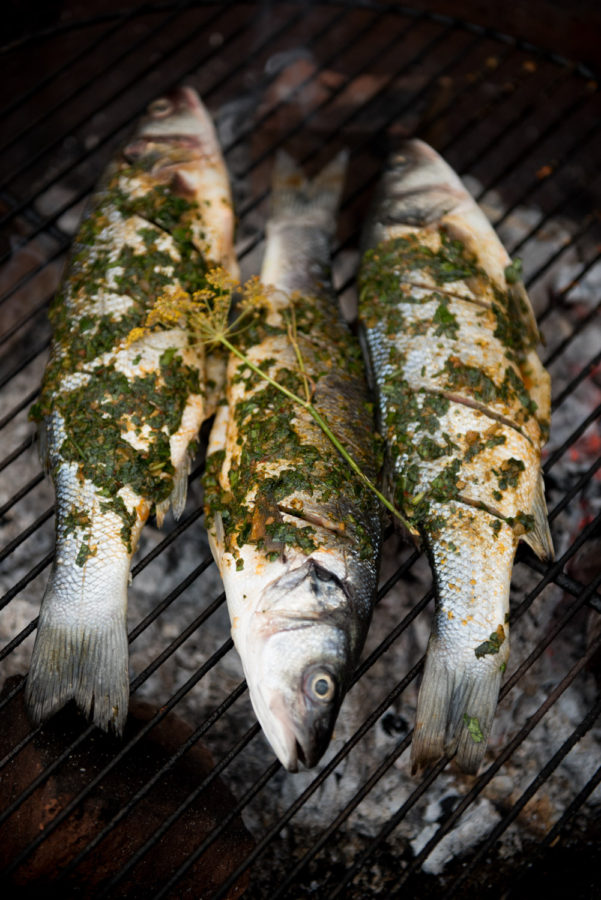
297 742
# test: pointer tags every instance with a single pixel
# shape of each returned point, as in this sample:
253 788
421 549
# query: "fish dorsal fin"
539 539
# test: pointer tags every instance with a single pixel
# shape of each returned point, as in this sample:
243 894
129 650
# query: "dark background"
571 28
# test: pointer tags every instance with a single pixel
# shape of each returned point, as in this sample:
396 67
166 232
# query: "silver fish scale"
454 374
121 404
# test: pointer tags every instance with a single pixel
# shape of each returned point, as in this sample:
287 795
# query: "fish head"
418 188
298 657
176 145
176 129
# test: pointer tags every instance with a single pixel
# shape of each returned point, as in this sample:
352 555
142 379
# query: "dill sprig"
206 315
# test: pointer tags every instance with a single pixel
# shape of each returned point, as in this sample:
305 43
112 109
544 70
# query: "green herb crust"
413 418
101 404
492 645
286 464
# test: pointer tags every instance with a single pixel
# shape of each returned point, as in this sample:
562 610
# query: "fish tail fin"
456 708
304 200
82 657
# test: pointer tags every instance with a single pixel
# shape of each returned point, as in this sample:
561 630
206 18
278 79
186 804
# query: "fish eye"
320 685
160 108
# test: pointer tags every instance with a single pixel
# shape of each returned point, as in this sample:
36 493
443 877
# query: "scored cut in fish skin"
295 535
463 407
118 419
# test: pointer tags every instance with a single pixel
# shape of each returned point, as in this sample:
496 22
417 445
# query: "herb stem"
306 404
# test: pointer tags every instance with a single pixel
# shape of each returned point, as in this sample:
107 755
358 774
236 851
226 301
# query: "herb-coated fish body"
119 418
294 533
464 405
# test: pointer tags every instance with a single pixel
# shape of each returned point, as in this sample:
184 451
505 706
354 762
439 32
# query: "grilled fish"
464 406
118 420
295 535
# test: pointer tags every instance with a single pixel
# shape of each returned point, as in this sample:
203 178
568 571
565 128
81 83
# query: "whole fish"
464 407
119 419
294 533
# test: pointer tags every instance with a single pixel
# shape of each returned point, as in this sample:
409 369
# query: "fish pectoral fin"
180 488
455 709
177 498
539 539
81 660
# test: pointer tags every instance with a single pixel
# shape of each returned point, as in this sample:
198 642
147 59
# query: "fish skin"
118 421
295 536
463 407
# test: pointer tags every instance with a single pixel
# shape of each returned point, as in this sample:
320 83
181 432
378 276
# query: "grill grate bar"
308 157
53 76
24 320
549 130
482 780
23 446
575 489
573 384
39 154
553 457
29 358
585 725
549 839
506 687
567 485
45 774
504 755
190 799
414 60
578 329
544 267
182 750
22 492
18 540
274 767
565 582
561 294
17 588
18 639
81 86
163 605
364 67
66 243
15 412
565 157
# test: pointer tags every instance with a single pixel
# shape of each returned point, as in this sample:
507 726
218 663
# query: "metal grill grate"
523 127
